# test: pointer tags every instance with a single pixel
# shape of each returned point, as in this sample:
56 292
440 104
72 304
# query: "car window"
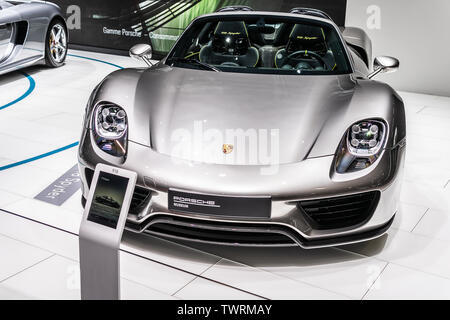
258 44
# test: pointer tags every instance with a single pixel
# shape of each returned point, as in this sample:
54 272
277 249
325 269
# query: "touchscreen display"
108 199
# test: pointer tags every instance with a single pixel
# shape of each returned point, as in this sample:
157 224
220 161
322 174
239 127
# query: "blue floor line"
32 85
15 164
97 60
30 89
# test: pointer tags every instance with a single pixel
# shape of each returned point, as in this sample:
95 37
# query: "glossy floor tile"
142 277
340 271
435 224
398 282
408 249
201 289
57 278
8 198
17 256
408 216
266 284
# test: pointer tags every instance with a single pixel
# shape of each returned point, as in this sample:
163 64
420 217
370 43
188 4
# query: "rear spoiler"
235 8
297 10
310 12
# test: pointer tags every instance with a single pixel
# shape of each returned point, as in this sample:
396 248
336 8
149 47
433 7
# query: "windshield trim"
235 15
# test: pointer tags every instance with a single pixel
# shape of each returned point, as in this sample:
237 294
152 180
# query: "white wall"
416 32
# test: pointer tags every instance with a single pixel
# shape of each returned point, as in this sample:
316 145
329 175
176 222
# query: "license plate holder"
219 205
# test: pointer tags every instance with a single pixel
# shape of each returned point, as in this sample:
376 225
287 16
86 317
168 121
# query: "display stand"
101 231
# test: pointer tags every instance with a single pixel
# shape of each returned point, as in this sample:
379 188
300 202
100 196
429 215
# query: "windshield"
261 44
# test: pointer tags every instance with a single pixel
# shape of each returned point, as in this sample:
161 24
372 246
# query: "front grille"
216 232
141 196
224 237
228 233
340 212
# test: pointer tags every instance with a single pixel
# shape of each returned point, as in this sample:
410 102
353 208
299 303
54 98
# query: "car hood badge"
227 148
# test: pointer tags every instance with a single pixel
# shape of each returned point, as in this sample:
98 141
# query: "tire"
56 47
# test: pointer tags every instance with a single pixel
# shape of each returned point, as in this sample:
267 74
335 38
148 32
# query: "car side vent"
22 30
340 212
310 12
235 8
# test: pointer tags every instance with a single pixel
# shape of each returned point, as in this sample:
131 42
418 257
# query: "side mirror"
142 52
384 64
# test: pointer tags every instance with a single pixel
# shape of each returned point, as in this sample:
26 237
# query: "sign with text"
119 24
62 188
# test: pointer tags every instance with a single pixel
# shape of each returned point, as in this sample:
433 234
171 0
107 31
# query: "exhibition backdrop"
119 24
416 32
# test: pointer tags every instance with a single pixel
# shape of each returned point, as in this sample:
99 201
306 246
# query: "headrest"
232 28
305 37
231 37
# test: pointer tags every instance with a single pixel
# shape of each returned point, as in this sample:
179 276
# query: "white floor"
39 246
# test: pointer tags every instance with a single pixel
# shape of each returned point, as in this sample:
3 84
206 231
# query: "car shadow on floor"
262 257
18 74
10 77
164 251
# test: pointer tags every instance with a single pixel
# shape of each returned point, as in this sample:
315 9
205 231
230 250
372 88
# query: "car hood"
191 114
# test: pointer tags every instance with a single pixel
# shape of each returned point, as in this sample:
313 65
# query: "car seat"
230 46
305 38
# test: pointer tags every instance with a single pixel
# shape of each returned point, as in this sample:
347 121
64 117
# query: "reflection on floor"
39 246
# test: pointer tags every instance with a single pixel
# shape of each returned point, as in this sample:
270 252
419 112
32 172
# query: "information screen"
108 199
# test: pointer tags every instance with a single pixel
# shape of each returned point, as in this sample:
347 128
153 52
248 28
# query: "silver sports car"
31 32
258 128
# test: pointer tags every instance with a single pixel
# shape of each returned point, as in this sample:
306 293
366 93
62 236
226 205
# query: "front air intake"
226 233
141 197
340 212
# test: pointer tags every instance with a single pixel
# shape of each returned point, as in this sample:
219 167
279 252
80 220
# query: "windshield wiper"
194 61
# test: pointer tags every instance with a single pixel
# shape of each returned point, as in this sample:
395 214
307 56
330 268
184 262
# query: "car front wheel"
56 44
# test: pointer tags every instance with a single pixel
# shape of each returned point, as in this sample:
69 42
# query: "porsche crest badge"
227 148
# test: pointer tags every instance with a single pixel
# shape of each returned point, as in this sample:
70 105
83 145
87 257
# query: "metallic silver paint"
384 64
142 52
313 114
38 15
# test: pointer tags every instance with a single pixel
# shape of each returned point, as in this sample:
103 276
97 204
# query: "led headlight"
366 138
361 146
111 129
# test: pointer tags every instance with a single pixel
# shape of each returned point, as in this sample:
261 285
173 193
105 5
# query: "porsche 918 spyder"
31 32
257 128
107 201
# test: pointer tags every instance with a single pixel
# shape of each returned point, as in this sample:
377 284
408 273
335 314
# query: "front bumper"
290 183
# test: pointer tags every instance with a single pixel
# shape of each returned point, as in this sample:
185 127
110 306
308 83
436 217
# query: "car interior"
300 47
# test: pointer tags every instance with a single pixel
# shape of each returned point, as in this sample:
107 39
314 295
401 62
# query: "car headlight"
111 129
361 146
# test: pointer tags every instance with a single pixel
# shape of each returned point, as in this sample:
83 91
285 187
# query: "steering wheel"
312 54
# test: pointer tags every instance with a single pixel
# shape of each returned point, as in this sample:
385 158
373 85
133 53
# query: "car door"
6 43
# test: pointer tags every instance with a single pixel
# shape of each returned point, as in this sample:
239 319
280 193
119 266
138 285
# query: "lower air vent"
340 212
226 233
224 237
141 197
